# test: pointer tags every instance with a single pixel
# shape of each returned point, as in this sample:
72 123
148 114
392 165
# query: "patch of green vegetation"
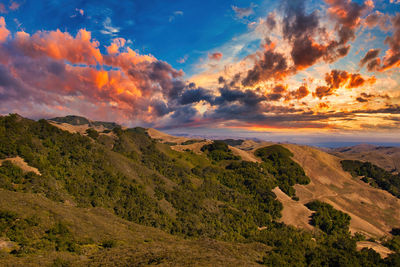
191 141
31 236
232 142
219 151
277 160
92 133
328 219
373 175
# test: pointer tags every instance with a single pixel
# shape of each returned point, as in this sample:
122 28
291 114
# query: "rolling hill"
85 193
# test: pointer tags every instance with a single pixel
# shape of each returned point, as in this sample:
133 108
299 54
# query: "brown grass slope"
387 158
163 137
374 212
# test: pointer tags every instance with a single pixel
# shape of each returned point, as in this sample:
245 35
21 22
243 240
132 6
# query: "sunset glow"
295 67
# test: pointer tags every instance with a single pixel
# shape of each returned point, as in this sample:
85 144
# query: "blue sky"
169 30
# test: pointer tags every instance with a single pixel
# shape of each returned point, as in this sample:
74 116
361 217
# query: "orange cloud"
341 78
116 44
3 30
14 6
215 56
53 68
61 45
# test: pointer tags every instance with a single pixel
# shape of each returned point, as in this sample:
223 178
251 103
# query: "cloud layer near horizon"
51 73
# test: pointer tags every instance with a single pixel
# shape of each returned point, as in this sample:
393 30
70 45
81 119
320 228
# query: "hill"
387 158
131 199
78 120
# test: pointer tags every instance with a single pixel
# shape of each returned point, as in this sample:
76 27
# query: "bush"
328 219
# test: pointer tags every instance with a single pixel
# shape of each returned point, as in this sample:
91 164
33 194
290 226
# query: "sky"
312 72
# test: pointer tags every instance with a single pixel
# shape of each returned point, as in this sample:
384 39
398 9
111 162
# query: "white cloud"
109 28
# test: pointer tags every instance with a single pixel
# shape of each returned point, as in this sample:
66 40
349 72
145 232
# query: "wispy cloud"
242 12
174 15
109 29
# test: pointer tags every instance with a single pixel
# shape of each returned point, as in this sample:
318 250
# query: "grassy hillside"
192 202
374 175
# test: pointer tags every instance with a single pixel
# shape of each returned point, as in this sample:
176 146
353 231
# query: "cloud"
183 59
14 5
298 94
174 15
370 55
2 8
215 56
242 12
309 42
60 45
195 96
54 72
50 69
109 29
78 11
377 19
341 78
270 64
4 32
392 55
271 21
115 45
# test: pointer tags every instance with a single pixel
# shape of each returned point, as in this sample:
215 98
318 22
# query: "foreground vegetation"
214 196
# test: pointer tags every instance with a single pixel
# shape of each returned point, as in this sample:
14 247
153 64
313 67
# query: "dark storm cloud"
271 21
271 65
370 55
195 95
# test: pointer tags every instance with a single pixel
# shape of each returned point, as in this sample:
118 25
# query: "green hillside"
127 200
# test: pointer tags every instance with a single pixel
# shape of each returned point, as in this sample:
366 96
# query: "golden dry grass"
387 158
163 137
195 147
20 162
245 155
293 213
374 212
383 251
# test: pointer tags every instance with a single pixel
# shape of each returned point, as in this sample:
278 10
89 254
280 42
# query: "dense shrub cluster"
373 175
277 160
328 219
218 150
